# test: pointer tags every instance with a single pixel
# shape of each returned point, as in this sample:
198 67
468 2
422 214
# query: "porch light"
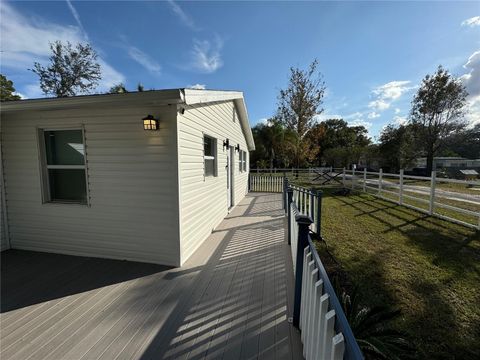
237 148
226 144
150 123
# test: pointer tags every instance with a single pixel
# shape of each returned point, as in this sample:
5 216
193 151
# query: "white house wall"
133 186
203 201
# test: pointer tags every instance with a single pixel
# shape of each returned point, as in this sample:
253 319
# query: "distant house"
448 162
469 174
139 176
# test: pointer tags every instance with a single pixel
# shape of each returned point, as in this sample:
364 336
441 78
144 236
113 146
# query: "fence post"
311 203
400 200
364 179
285 198
353 178
289 212
432 192
343 177
380 176
304 223
318 219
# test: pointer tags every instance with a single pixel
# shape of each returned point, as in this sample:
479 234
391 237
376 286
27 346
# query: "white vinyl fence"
462 207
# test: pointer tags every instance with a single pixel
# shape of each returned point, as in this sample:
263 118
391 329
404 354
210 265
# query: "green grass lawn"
426 267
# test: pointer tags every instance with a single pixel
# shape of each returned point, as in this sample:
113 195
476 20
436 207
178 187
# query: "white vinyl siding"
132 180
203 204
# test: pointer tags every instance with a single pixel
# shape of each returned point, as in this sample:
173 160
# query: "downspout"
4 199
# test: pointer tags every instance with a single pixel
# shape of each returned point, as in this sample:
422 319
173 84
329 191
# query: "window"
64 170
242 161
210 156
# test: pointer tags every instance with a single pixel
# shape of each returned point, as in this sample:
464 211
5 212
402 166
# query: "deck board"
231 300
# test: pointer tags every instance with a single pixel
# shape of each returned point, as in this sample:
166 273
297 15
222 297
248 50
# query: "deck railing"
262 183
325 331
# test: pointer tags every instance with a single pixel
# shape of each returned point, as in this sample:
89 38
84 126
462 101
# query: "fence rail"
395 188
325 332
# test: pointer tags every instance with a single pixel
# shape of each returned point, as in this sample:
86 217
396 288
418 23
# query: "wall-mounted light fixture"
150 123
237 148
226 144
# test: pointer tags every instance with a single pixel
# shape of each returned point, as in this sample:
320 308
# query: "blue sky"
373 54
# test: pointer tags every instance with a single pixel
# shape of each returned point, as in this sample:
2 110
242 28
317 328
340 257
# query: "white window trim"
44 167
209 157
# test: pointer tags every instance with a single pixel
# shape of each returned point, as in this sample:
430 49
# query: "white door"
230 183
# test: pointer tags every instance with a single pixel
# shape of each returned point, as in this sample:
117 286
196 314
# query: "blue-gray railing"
325 331
308 201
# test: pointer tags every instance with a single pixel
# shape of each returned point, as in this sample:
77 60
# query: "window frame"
44 167
209 157
240 161
244 163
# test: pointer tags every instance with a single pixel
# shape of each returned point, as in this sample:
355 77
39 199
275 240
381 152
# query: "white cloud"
197 86
361 122
322 117
182 15
397 111
472 79
373 115
143 59
32 91
392 90
354 115
379 105
400 120
76 15
265 122
26 40
472 22
206 55
472 84
387 93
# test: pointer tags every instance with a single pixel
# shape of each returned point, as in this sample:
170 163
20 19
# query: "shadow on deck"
230 300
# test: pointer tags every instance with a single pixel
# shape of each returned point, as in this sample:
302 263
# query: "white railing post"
343 177
433 179
338 347
380 176
400 193
364 179
328 334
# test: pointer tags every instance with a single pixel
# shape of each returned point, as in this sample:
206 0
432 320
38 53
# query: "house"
140 176
448 162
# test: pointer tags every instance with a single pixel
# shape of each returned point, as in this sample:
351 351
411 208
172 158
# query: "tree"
336 134
140 87
273 144
299 103
118 89
7 90
72 70
438 110
464 143
397 147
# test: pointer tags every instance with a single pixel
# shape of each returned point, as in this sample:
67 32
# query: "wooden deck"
231 300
